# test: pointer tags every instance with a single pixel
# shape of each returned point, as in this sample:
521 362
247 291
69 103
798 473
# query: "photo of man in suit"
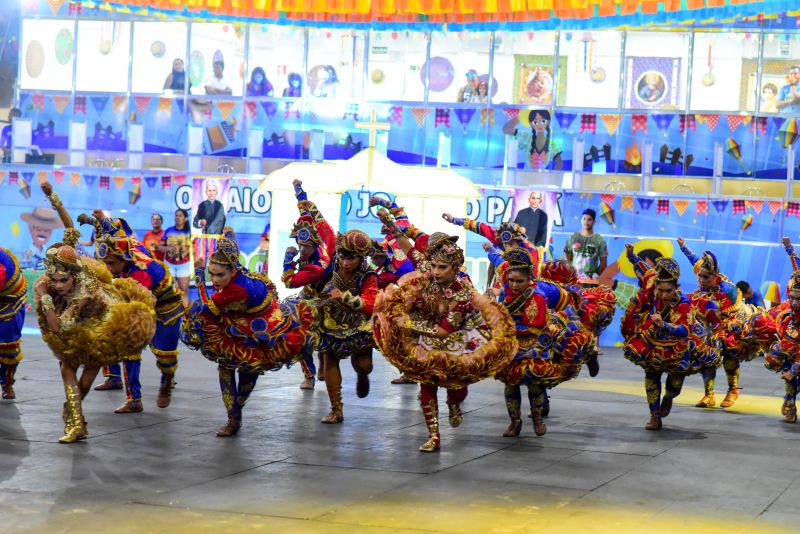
534 220
210 213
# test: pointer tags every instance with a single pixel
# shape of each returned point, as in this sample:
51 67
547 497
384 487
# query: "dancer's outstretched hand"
785 241
629 248
681 241
199 263
447 217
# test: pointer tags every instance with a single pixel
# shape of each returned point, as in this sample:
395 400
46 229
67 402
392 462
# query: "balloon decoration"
64 46
442 74
34 59
788 132
197 68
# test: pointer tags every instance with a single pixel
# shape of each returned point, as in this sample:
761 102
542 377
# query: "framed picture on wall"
652 82
535 81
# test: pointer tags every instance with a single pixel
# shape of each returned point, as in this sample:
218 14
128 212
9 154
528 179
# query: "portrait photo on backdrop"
537 211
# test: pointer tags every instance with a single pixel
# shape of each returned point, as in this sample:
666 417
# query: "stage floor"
596 469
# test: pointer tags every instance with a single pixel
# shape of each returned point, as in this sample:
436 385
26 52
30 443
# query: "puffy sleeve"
144 278
495 256
676 325
639 266
233 296
308 274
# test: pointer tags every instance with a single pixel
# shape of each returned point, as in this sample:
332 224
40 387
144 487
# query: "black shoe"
593 365
362 385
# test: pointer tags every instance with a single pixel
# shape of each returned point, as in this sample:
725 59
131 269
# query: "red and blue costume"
13 298
553 343
154 276
745 330
312 273
244 327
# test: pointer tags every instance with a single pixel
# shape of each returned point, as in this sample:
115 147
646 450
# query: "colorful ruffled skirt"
552 356
462 358
750 334
251 343
674 355
597 311
122 333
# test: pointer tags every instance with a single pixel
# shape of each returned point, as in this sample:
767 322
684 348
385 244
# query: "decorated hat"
510 231
305 233
708 262
354 242
62 259
667 270
559 271
227 253
121 248
519 259
445 250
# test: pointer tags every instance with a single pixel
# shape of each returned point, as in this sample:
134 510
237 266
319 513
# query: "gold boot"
730 397
708 401
335 415
456 415
431 413
76 426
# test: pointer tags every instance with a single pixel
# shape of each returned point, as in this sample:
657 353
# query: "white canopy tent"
425 192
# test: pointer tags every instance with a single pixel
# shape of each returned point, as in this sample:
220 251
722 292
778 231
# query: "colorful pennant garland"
395 115
774 206
680 205
420 114
611 122
720 205
627 203
756 205
588 123
487 117
701 207
464 116
739 207
687 121
638 123
565 119
645 203
663 206
442 116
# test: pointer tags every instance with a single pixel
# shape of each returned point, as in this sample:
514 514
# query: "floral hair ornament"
667 270
445 250
305 233
62 259
354 243
519 259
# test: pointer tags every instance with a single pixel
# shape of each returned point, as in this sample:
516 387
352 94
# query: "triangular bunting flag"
38 102
711 121
55 6
778 122
151 181
164 106
680 205
395 115
487 117
105 182
738 206
2 176
142 103
13 178
511 113
60 102
464 115
774 206
225 107
760 124
662 206
645 203
136 180
638 123
734 121
180 178
611 122
627 203
608 198
119 104
90 179
565 119
793 208
442 117
588 123
270 109
720 205
79 105
757 205
250 109
43 176
419 115
119 181
663 121
701 207
74 179
687 121
99 103
166 182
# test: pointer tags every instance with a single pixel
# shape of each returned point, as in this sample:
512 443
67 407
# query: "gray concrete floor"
596 470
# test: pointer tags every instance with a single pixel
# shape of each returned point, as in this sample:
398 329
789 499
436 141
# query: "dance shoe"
132 406
730 398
